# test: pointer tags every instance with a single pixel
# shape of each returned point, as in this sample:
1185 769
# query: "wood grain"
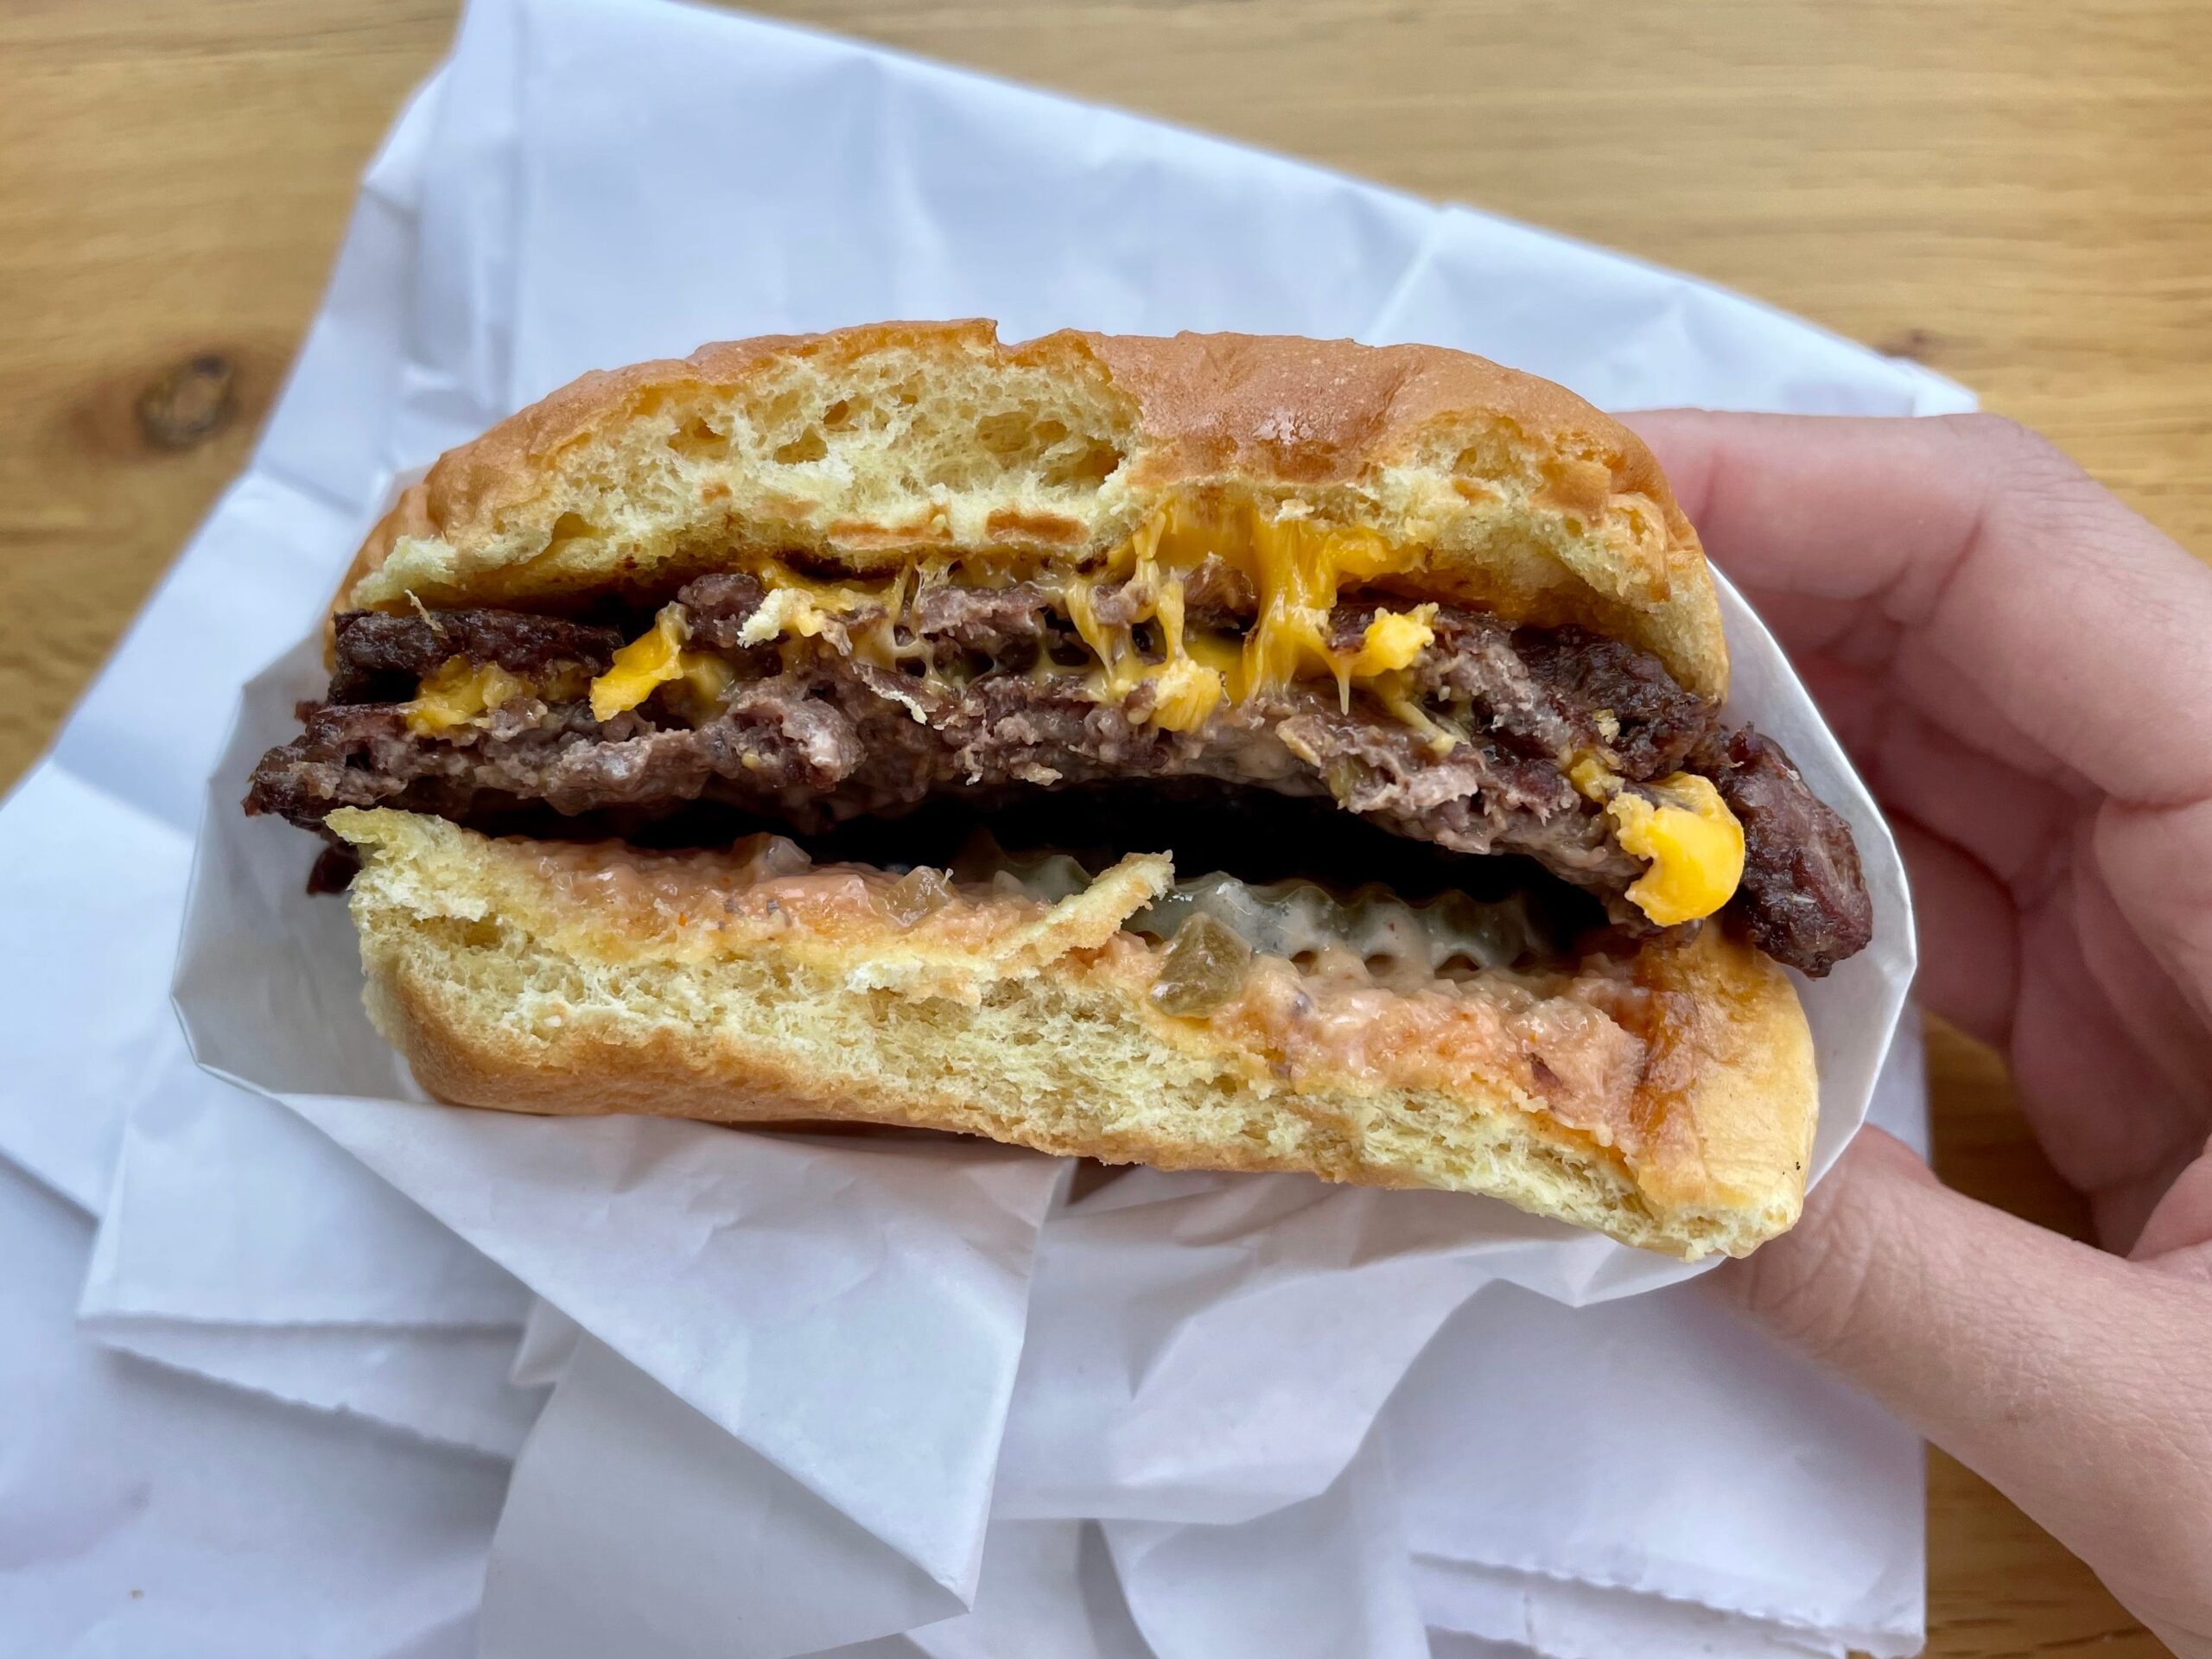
2017 192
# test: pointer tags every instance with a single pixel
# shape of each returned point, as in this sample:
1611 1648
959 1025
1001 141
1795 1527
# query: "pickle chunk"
916 894
1204 969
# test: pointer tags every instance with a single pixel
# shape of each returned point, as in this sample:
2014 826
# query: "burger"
1215 752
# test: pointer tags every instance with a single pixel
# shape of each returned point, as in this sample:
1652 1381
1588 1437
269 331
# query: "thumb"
2073 1380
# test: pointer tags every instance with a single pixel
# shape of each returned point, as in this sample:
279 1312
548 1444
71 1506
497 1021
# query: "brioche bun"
869 447
528 978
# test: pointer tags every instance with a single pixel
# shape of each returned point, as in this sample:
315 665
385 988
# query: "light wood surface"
2013 191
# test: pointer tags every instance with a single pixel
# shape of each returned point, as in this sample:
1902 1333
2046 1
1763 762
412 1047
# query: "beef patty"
812 735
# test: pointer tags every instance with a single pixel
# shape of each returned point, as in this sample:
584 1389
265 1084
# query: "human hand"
2022 669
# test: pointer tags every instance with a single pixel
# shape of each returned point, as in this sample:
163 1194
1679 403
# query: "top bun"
867 447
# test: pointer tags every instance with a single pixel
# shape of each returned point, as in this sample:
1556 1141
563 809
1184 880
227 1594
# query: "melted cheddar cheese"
1692 842
1186 695
1392 641
1296 569
653 660
455 694
798 607
1295 566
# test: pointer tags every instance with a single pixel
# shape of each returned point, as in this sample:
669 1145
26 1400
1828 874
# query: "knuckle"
2032 489
2004 440
1997 433
2019 459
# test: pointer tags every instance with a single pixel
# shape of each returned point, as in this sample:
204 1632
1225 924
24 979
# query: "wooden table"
2013 191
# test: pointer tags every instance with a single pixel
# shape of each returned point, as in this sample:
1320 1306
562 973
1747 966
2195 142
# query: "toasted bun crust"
506 988
869 447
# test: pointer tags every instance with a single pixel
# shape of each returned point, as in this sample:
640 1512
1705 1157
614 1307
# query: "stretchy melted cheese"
1297 568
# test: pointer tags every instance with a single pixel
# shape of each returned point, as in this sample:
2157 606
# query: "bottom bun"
1668 1101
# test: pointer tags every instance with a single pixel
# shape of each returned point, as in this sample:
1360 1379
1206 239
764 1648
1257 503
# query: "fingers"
2113 1070
1836 509
2072 1380
2019 826
2154 857
1969 971
1988 562
2099 1057
2178 1235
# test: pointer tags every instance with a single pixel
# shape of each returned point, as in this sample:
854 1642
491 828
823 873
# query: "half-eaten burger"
1217 751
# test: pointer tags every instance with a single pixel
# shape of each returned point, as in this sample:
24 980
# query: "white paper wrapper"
1235 1409
1646 1476
156 1515
591 182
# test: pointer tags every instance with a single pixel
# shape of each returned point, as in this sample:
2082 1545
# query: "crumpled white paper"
589 182
1646 1475
148 1514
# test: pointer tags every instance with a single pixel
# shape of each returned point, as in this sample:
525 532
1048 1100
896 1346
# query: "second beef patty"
809 734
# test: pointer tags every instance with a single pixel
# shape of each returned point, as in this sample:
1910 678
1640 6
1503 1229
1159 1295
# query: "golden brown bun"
508 986
870 446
